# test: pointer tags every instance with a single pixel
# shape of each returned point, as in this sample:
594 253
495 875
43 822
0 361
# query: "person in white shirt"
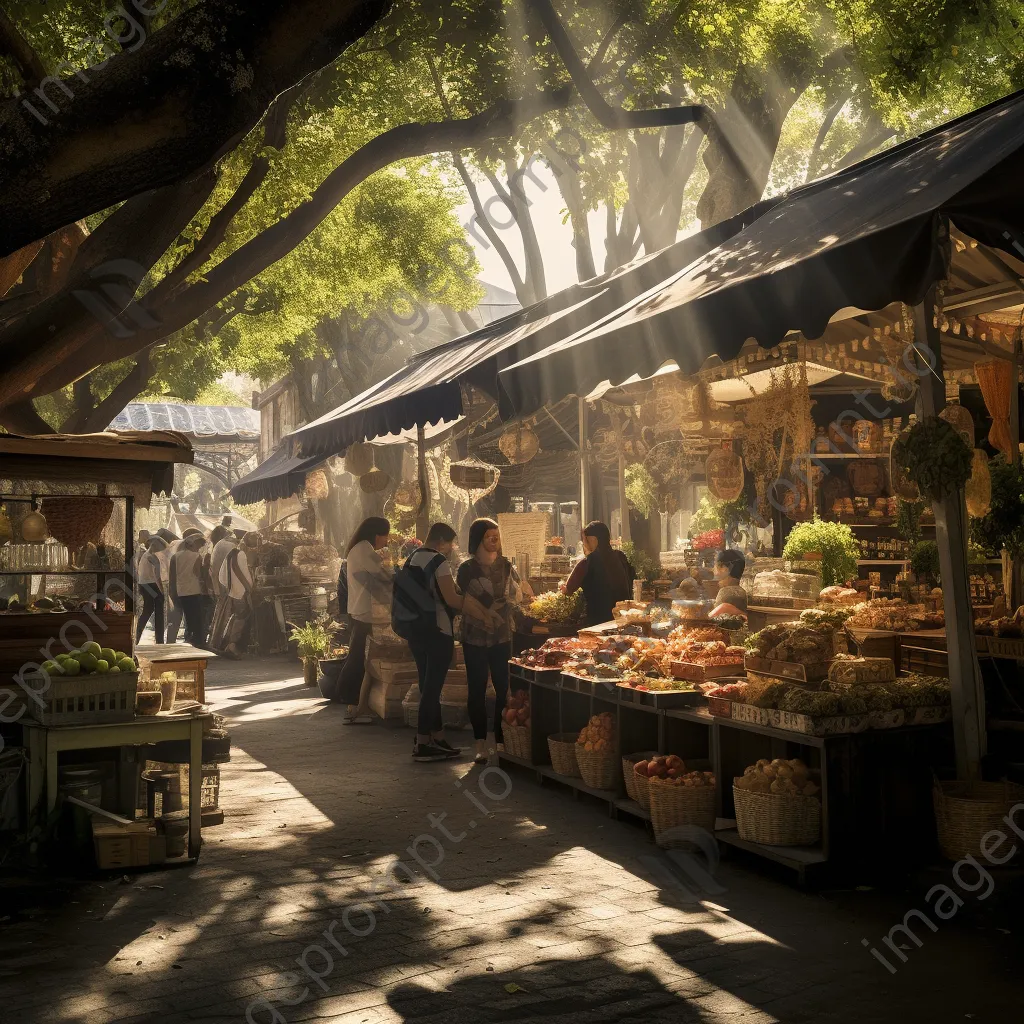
369 600
222 540
148 577
186 586
234 607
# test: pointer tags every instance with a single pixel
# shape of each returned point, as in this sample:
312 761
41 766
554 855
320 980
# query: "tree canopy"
241 186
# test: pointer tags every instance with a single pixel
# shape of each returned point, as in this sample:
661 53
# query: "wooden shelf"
632 807
848 455
798 857
883 561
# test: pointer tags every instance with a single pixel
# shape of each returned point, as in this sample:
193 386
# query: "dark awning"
428 389
859 239
280 476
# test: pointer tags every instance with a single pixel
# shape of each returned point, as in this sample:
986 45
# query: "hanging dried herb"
908 519
935 457
641 490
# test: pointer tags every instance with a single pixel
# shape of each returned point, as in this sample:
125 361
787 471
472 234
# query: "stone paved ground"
536 906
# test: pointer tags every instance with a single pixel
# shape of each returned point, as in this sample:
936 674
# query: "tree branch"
826 126
607 116
20 50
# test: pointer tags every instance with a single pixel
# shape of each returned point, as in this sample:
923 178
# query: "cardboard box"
127 846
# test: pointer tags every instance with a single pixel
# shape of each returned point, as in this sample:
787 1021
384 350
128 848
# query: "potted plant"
314 641
833 544
924 561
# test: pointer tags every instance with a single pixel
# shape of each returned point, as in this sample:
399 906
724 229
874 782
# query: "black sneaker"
448 748
429 752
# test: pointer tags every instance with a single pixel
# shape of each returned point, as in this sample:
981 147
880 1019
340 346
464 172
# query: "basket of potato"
596 752
778 803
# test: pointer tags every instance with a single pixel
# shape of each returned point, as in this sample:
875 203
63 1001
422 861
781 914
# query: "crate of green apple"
89 659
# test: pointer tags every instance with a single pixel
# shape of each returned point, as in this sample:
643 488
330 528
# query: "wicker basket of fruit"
681 805
629 762
562 747
596 755
515 729
777 804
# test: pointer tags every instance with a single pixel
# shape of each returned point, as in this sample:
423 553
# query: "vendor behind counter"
731 598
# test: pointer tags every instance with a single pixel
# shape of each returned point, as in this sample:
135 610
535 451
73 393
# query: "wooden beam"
423 512
951 536
624 532
584 468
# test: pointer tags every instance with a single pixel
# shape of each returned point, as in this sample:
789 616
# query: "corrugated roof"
199 421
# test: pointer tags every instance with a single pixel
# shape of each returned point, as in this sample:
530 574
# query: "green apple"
92 648
114 668
126 665
72 667
108 655
102 666
88 661
52 668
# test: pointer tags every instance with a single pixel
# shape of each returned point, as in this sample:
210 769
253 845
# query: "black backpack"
413 607
343 588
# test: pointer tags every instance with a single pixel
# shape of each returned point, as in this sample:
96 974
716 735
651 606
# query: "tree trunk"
151 117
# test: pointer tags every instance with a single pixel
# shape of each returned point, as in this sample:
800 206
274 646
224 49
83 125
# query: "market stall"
101 728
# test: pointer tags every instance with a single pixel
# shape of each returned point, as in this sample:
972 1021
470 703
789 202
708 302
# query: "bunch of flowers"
709 540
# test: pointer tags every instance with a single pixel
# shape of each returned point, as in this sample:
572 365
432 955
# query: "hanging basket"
375 481
359 459
519 445
76 519
724 472
979 486
899 483
317 487
407 497
961 418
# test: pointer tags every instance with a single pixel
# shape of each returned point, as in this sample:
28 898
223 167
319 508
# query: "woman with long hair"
369 588
605 575
489 578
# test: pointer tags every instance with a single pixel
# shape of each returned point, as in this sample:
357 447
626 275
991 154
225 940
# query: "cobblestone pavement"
522 906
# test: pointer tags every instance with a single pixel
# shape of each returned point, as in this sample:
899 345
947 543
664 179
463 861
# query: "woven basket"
777 820
518 740
965 811
675 806
628 775
642 788
598 768
562 747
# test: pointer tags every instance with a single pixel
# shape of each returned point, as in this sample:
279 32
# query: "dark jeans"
481 661
192 607
351 679
152 604
433 654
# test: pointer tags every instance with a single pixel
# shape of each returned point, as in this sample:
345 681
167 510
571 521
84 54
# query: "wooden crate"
924 660
702 673
127 846
785 669
749 713
77 700
826 726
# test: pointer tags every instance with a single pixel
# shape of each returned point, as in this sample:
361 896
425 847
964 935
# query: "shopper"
221 541
604 575
186 586
234 610
424 599
731 598
151 590
369 597
486 632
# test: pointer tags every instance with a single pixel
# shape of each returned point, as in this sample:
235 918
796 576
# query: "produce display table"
875 785
46 744
179 658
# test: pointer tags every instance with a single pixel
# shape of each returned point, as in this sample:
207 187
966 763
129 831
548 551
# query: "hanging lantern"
956 415
407 497
359 459
317 488
979 487
724 472
472 475
519 444
33 528
374 481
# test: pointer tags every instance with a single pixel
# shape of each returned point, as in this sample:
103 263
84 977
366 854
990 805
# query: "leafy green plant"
1003 525
935 457
708 516
908 519
641 490
643 565
835 543
924 560
315 637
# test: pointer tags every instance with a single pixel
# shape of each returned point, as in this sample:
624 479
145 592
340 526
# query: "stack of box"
135 844
393 671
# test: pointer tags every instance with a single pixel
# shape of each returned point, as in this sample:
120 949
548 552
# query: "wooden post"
968 696
623 503
423 511
1013 568
584 470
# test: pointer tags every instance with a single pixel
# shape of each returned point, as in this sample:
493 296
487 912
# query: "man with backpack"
421 612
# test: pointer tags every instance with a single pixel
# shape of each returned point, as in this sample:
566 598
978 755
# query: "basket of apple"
515 727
